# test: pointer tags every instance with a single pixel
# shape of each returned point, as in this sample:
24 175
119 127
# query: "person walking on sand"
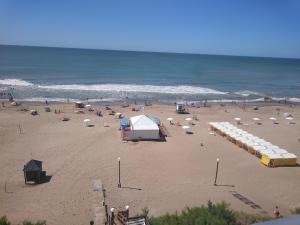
276 212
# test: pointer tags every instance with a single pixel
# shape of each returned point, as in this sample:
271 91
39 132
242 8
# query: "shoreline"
192 104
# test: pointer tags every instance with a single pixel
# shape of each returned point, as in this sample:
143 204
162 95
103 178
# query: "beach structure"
181 108
144 127
141 127
269 154
33 171
79 105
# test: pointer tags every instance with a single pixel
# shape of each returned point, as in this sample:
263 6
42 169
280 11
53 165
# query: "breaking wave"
15 82
181 89
247 93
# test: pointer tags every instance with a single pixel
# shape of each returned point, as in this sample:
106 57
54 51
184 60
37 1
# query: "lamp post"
127 211
112 217
218 160
119 184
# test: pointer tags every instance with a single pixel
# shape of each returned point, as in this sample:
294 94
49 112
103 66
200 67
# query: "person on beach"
276 212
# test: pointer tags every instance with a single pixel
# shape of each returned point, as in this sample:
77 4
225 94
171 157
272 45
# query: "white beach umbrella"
170 119
87 106
188 119
118 113
290 120
237 120
286 114
256 119
273 119
185 127
87 122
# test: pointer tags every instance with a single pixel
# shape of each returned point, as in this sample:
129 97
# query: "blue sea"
57 74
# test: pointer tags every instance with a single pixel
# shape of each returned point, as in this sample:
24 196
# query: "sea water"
40 73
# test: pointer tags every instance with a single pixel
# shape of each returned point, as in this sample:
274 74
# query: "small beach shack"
33 171
144 128
79 105
181 108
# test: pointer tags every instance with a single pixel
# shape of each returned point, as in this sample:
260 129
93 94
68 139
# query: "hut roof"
33 165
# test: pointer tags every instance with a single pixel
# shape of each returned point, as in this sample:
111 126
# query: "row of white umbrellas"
187 119
258 119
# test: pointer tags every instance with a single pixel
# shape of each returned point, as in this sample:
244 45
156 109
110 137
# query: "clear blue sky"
241 27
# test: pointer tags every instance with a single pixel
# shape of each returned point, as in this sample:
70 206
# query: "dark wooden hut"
33 171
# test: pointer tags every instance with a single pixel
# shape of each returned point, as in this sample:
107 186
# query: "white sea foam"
43 99
235 100
246 93
294 99
181 89
15 82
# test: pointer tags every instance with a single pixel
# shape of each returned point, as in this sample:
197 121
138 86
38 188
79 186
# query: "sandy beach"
163 176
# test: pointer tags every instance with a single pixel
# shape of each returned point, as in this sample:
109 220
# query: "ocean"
58 74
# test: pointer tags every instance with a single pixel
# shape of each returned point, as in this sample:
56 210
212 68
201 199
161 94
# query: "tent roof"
33 165
143 122
155 119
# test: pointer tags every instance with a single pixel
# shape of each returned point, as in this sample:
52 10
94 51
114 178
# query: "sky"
227 27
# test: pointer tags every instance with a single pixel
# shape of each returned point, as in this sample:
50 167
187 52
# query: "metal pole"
119 184
217 169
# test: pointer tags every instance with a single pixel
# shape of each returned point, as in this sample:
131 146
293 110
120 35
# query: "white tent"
143 127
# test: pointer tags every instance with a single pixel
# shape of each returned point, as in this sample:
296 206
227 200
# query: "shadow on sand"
132 188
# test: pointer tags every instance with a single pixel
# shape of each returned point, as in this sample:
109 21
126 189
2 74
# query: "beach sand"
163 176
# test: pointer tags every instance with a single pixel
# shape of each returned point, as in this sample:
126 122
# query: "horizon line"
143 51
